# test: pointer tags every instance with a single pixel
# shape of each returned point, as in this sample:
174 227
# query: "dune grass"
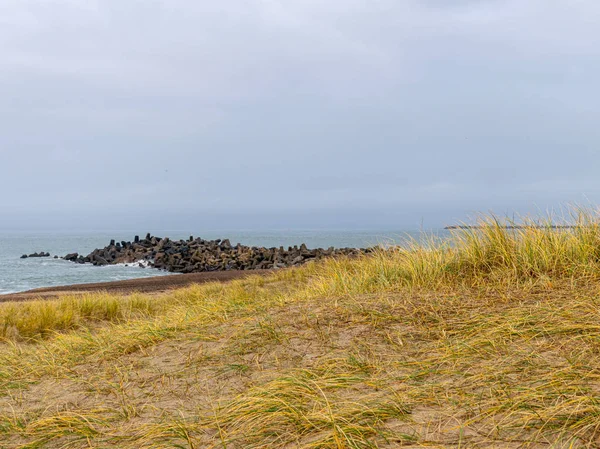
488 339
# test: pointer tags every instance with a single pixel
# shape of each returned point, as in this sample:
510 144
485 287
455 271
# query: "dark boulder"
72 257
100 261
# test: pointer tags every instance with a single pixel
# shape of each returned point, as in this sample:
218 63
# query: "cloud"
293 109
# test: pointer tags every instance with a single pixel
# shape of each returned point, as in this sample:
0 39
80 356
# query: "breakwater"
198 255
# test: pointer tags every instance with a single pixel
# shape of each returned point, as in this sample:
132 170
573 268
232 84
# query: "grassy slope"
491 341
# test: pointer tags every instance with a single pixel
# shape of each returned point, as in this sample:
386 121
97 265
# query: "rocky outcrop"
198 255
42 254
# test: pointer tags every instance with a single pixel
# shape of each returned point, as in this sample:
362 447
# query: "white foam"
136 264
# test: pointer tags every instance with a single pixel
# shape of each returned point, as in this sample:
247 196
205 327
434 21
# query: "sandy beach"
146 285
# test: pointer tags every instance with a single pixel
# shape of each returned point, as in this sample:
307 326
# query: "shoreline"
153 285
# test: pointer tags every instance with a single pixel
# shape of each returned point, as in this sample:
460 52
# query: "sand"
146 285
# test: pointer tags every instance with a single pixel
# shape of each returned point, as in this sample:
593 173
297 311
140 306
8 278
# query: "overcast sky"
263 114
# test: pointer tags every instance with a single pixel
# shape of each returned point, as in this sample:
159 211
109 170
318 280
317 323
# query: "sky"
294 114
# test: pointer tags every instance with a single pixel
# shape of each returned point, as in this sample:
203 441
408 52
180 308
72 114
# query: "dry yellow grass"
489 340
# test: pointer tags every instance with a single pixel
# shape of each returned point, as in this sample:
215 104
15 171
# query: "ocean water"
17 275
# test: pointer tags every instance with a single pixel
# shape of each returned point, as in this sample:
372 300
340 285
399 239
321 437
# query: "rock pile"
198 255
42 254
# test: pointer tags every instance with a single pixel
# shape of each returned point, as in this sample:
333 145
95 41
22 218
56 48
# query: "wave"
136 264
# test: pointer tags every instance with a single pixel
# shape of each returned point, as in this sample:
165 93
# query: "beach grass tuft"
487 339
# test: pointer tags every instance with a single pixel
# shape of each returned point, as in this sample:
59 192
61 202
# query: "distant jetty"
514 227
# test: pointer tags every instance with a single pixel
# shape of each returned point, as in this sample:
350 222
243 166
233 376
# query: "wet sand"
153 285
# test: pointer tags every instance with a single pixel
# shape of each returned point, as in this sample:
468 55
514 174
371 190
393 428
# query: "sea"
18 275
